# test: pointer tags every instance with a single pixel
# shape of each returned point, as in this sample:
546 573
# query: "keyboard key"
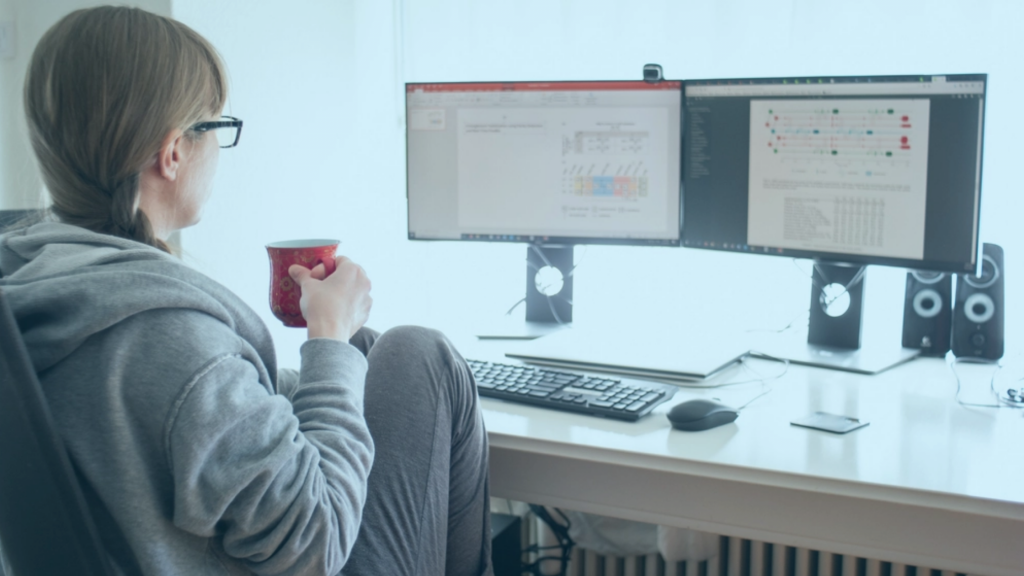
601 404
619 406
651 396
635 407
539 394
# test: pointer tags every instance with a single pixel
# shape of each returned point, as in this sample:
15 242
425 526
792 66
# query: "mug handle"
329 266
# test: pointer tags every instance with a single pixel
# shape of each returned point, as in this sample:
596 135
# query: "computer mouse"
700 414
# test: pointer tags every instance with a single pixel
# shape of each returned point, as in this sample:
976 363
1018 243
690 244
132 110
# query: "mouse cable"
805 313
751 401
763 380
760 377
991 383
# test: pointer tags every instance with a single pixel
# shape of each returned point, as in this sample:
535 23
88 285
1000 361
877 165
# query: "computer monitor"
843 170
550 164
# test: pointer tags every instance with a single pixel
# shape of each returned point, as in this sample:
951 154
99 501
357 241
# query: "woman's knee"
413 340
364 339
422 354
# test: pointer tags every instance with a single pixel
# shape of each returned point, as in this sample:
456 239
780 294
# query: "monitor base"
548 296
865 360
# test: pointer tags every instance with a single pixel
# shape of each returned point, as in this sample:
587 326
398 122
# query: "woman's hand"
336 306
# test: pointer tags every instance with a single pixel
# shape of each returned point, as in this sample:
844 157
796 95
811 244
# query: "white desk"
928 482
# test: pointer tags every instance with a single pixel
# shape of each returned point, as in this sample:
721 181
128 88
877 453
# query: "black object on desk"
700 414
622 399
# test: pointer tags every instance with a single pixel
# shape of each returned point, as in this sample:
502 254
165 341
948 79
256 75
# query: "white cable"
991 383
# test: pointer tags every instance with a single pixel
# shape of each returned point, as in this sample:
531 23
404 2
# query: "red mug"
285 292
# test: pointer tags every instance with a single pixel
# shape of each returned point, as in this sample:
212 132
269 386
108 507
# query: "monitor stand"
548 296
834 329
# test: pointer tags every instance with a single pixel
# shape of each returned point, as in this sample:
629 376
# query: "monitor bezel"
541 239
839 258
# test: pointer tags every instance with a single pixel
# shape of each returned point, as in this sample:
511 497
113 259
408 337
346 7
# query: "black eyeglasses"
227 131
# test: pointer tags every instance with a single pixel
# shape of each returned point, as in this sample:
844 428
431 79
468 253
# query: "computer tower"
506 544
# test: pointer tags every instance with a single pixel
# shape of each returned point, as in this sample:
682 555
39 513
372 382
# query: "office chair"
10 217
45 526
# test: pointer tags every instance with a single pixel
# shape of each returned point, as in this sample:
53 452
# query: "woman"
196 454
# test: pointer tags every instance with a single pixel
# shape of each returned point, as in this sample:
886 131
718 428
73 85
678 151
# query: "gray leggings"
427 509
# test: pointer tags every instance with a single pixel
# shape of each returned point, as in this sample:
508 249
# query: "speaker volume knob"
978 340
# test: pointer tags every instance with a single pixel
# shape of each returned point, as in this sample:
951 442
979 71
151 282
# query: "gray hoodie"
196 454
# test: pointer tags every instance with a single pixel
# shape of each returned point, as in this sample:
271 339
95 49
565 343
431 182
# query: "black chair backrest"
9 217
45 526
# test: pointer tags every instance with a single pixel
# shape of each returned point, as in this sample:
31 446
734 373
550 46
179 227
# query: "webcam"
652 73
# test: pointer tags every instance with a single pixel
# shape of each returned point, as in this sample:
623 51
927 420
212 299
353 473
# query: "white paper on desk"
694 355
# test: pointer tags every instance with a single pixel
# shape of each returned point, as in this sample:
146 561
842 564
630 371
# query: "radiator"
737 557
740 557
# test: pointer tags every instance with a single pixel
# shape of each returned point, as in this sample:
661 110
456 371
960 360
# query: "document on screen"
839 175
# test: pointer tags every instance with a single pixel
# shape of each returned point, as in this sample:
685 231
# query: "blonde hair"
104 88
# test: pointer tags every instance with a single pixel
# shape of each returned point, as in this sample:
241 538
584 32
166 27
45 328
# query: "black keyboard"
571 391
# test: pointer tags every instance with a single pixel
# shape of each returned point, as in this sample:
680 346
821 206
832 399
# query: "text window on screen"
579 170
565 160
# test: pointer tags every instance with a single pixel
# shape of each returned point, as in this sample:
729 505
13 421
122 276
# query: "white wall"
319 154
20 184
319 86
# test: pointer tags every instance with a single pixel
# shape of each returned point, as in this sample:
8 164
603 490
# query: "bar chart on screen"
624 181
579 168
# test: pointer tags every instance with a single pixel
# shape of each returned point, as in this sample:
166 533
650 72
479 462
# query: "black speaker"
928 312
978 313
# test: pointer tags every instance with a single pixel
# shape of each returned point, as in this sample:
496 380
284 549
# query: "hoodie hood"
65 284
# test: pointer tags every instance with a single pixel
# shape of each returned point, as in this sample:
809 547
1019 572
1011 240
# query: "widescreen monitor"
549 164
544 162
847 171
865 170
